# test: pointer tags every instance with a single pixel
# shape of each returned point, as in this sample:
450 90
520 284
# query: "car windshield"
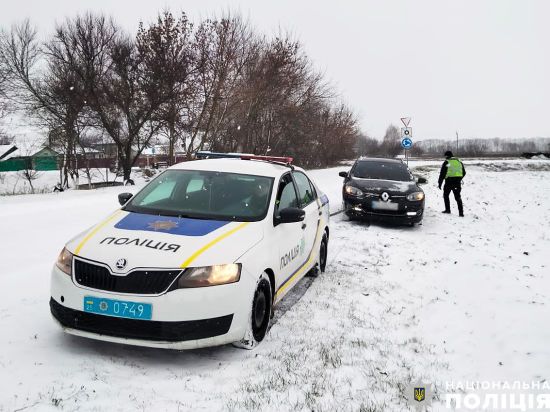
205 195
381 170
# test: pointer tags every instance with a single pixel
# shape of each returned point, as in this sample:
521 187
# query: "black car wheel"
323 253
260 314
261 310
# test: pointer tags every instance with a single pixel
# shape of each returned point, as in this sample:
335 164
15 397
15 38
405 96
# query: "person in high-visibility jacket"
452 172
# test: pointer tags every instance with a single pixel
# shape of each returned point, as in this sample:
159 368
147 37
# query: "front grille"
145 282
140 329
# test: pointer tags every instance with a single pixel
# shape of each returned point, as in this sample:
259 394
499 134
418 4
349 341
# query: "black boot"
460 208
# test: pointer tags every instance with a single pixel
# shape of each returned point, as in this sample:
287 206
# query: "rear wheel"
260 314
321 263
323 253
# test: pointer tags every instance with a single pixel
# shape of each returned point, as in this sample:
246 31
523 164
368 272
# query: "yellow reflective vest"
454 168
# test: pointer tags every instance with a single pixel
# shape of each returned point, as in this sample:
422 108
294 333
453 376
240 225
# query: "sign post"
406 137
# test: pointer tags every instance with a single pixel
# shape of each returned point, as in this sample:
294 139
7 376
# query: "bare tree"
222 49
166 45
217 84
124 87
391 145
43 87
3 96
28 173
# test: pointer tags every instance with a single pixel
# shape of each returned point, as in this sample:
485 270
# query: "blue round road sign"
406 143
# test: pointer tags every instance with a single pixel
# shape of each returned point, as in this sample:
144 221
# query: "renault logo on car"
385 196
121 264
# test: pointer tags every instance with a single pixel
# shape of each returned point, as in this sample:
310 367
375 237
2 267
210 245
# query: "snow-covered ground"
453 299
14 183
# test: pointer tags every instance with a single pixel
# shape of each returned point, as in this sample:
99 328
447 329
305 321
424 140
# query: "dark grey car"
383 189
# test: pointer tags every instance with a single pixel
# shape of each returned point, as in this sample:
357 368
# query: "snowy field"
452 299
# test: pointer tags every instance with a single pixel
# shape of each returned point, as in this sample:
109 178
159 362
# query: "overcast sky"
478 67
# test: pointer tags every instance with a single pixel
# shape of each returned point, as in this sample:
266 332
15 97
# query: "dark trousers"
455 187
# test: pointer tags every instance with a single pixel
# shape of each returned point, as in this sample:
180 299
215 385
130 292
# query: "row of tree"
485 147
215 85
390 146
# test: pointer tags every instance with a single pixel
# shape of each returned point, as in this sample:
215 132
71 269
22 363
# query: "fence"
43 163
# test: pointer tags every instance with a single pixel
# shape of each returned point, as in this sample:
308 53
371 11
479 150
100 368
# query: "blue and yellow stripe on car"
296 274
96 229
203 249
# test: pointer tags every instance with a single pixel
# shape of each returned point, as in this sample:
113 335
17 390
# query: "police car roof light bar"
244 156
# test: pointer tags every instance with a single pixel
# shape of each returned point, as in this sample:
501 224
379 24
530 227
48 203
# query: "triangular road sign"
406 121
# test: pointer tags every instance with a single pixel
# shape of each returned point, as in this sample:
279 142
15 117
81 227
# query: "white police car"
197 258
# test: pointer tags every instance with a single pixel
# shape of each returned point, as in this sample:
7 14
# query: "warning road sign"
406 132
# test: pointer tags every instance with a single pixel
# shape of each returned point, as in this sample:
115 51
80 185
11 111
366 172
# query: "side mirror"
123 198
290 215
343 174
421 180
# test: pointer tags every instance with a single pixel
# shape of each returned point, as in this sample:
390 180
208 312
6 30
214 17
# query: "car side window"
306 191
286 194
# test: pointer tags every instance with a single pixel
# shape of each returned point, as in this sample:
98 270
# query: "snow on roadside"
14 183
393 307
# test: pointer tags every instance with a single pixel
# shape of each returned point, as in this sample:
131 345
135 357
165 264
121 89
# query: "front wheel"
260 314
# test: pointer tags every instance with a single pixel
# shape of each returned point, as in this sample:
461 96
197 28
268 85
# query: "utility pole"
456 143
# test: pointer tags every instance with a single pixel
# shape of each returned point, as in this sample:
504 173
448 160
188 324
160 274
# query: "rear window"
381 170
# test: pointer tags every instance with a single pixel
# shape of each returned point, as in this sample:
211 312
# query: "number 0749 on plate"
118 308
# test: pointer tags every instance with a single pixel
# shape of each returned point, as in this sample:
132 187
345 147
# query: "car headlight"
353 191
65 262
210 276
416 196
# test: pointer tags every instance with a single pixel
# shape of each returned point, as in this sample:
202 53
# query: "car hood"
379 186
153 241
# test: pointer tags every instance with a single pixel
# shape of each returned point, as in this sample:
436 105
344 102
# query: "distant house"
44 159
90 153
110 150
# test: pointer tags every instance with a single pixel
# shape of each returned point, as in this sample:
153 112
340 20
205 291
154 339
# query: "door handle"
303 226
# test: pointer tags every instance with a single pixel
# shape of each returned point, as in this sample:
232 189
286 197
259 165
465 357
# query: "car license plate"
118 308
376 204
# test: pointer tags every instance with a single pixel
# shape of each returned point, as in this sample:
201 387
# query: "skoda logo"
385 196
121 264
